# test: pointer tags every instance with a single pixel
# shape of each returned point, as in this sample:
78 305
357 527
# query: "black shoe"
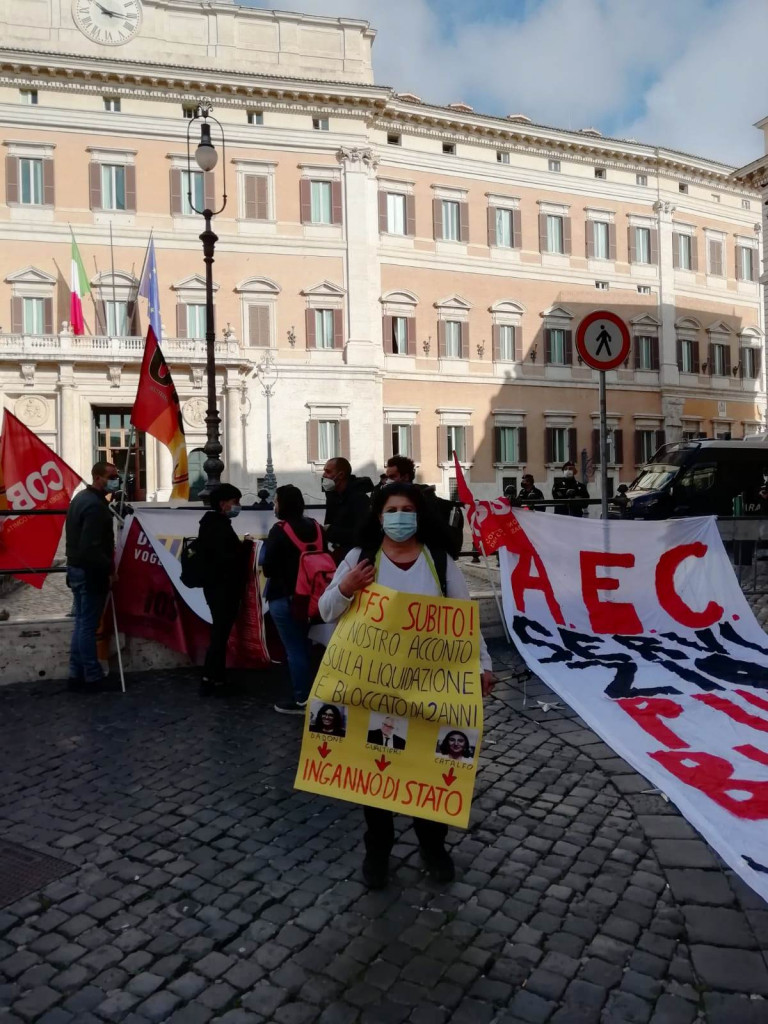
375 872
439 865
290 707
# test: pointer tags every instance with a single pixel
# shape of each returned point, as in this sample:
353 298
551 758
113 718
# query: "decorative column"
163 472
668 371
233 451
69 421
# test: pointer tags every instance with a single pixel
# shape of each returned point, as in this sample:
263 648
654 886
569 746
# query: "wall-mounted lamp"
481 348
533 353
427 345
292 336
704 367
737 370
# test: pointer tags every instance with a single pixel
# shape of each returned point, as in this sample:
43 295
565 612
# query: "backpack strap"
304 546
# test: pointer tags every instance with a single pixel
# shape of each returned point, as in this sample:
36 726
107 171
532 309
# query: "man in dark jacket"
346 505
569 486
528 492
90 542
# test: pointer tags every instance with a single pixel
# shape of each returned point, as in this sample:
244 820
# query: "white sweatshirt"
419 579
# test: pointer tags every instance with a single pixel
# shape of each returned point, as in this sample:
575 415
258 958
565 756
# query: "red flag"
494 524
157 411
34 477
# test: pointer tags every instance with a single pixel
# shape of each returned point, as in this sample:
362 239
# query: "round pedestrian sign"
602 340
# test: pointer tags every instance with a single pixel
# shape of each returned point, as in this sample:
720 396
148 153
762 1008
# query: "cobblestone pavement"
204 888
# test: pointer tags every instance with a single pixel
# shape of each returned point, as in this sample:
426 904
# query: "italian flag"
79 288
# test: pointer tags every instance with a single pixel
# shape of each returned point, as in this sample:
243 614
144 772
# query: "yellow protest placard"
395 715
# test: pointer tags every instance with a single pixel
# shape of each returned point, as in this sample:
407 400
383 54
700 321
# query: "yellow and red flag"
157 412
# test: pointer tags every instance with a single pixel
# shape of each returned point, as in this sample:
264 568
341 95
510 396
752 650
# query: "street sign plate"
602 340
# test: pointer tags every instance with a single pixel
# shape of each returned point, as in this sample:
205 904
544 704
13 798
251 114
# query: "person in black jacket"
90 543
225 560
280 565
528 492
569 486
346 505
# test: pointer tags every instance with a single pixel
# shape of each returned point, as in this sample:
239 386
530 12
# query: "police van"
701 478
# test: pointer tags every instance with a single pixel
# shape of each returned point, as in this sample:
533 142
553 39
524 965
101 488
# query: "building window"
509 445
687 357
393 139
451 221
600 172
33 316
399 336
504 228
320 199
456 438
557 346
641 179
715 197
328 440
719 366
507 342
642 245
116 312
255 117
113 187
646 445
554 165
324 328
112 104
112 435
320 124
746 263
684 250
31 181
644 289
559 444
644 352
401 440
28 96
396 215
196 320
452 339
602 286
192 181
449 148
554 233
600 239
750 363
745 204
188 112
502 156
682 187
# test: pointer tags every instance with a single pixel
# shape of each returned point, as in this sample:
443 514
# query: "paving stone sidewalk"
204 888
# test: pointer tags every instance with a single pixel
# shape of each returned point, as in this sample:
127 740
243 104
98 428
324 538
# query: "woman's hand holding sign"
362 576
488 681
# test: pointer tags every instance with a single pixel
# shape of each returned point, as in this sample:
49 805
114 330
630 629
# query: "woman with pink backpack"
298 567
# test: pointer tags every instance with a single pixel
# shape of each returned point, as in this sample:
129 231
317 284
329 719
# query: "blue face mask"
113 485
400 525
233 512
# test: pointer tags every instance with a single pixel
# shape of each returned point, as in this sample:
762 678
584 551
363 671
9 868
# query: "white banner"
643 629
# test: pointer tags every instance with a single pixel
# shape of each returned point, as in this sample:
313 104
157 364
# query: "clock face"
109 22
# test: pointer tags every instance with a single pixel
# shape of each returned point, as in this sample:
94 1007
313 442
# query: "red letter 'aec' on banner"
668 597
522 580
605 616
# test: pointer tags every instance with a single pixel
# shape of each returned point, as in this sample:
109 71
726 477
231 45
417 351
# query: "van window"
654 478
699 478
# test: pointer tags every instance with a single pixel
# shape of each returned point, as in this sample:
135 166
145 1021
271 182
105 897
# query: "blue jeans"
293 636
89 601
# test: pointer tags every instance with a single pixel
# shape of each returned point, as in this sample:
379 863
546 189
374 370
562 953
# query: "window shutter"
181 320
17 313
469 444
410 326
596 446
441 338
758 361
410 215
755 257
491 225
497 444
711 358
344 438
549 443
737 253
636 348
632 244
696 360
568 348
464 339
132 319
209 190
48 191
675 249
638 447
542 232
660 439
309 320
679 354
305 201
517 230
94 185
573 452
258 326
589 238
383 221
742 359
496 342
249 193
416 442
100 313
437 218
715 257
517 340
567 236
694 253
463 222
654 233
387 441
611 241
618 446
727 360
522 444
337 216
338 328
548 346
12 180
313 441
176 196
47 316
654 353
386 334
261 197
130 188
443 455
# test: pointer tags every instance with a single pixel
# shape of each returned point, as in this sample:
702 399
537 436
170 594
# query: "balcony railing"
55 347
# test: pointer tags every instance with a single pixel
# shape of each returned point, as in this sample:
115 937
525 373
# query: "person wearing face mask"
225 560
346 504
90 545
405 547
568 486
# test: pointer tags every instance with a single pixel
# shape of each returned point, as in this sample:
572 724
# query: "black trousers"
224 604
380 834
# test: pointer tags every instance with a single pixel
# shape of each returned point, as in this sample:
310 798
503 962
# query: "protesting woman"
404 548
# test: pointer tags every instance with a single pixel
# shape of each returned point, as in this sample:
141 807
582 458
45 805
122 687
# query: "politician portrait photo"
387 731
327 719
457 744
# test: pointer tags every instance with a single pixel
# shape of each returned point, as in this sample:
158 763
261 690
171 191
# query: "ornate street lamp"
267 374
206 159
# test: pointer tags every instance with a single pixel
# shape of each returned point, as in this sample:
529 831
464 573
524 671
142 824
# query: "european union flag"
148 287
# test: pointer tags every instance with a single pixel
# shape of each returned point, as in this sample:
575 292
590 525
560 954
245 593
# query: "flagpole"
117 641
103 324
114 290
143 268
131 436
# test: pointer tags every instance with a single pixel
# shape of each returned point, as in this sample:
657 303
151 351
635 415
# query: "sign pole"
603 449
